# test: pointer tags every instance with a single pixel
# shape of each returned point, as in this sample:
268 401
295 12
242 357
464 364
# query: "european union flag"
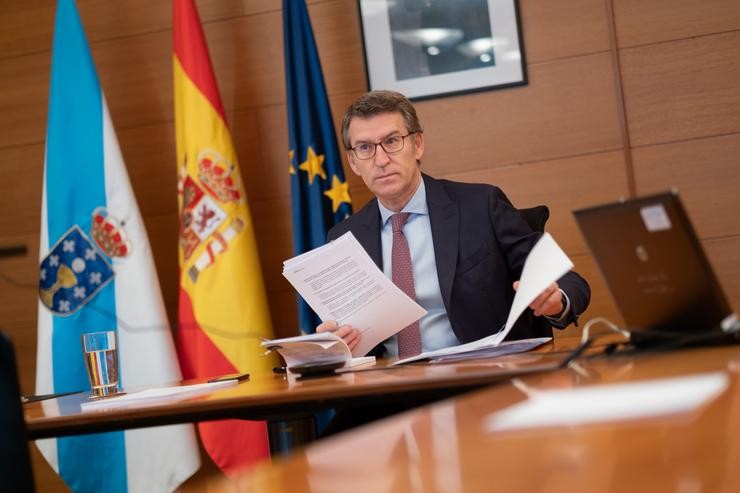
320 196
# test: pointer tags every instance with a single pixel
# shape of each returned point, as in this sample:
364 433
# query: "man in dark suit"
467 242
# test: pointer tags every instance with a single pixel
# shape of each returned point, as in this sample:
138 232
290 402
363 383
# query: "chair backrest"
15 461
536 217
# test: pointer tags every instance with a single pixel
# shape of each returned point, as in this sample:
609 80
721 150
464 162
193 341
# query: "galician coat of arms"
78 266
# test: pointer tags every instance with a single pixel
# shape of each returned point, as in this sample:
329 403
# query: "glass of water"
101 361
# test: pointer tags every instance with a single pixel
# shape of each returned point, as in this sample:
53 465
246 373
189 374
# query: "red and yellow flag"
223 308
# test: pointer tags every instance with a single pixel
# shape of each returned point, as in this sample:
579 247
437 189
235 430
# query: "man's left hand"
549 302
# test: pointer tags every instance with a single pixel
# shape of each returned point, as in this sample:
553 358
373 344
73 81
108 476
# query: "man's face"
394 177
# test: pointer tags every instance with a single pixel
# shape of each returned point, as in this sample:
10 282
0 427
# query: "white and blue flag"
96 273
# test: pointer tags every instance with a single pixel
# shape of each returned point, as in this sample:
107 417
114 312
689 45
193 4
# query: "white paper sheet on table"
340 281
159 395
610 402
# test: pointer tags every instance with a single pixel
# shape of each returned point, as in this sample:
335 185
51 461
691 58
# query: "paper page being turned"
545 264
341 282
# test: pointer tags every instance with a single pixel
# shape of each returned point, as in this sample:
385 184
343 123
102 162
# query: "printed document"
340 281
318 348
545 264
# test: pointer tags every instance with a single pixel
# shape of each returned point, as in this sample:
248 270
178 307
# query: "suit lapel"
444 218
367 231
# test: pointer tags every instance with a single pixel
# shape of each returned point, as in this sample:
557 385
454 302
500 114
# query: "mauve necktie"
409 339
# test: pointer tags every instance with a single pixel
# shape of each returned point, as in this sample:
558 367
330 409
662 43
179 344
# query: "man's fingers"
343 331
352 339
328 326
548 302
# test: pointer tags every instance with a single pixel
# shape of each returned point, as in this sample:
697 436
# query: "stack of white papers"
340 282
488 347
319 348
154 396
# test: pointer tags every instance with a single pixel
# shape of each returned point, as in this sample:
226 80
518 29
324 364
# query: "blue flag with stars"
319 193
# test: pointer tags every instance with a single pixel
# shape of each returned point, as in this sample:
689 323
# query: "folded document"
316 349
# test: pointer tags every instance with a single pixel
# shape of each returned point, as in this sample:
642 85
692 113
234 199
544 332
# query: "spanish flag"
223 309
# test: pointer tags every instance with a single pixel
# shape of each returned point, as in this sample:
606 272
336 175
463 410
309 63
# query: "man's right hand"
349 334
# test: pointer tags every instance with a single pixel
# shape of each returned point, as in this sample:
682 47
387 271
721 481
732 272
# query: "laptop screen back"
654 265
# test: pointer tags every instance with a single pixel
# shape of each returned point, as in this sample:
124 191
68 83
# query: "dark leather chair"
16 473
536 217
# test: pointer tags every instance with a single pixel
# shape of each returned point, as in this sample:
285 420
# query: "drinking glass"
101 360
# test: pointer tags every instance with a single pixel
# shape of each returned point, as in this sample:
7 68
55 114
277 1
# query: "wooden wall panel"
705 171
28 26
563 185
272 226
567 109
724 255
19 281
640 22
107 20
24 88
563 28
257 175
22 170
149 154
682 89
136 76
273 179
336 27
251 71
259 6
284 312
163 236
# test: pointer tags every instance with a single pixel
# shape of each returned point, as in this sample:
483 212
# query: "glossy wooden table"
278 398
451 446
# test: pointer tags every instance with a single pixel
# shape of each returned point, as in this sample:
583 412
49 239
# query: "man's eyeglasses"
391 145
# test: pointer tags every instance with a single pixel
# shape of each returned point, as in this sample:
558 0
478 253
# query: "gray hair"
375 102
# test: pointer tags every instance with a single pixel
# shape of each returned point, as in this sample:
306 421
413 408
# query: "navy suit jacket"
480 244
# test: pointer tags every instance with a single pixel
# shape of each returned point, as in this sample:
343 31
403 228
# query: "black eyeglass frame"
376 144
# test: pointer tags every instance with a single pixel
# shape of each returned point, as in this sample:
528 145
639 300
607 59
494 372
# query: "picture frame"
435 48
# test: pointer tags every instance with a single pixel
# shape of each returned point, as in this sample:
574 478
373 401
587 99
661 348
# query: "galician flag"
223 309
96 273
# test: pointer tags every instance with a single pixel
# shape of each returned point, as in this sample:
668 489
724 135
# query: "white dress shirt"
436 332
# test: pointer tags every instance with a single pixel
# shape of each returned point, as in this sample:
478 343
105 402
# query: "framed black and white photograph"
433 48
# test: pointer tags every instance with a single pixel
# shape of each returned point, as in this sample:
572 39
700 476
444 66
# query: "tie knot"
398 220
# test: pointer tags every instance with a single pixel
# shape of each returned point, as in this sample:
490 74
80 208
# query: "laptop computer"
655 267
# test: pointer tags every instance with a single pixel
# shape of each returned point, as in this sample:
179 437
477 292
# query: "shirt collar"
417 204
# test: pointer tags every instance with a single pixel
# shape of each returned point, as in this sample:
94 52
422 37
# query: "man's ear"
418 145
